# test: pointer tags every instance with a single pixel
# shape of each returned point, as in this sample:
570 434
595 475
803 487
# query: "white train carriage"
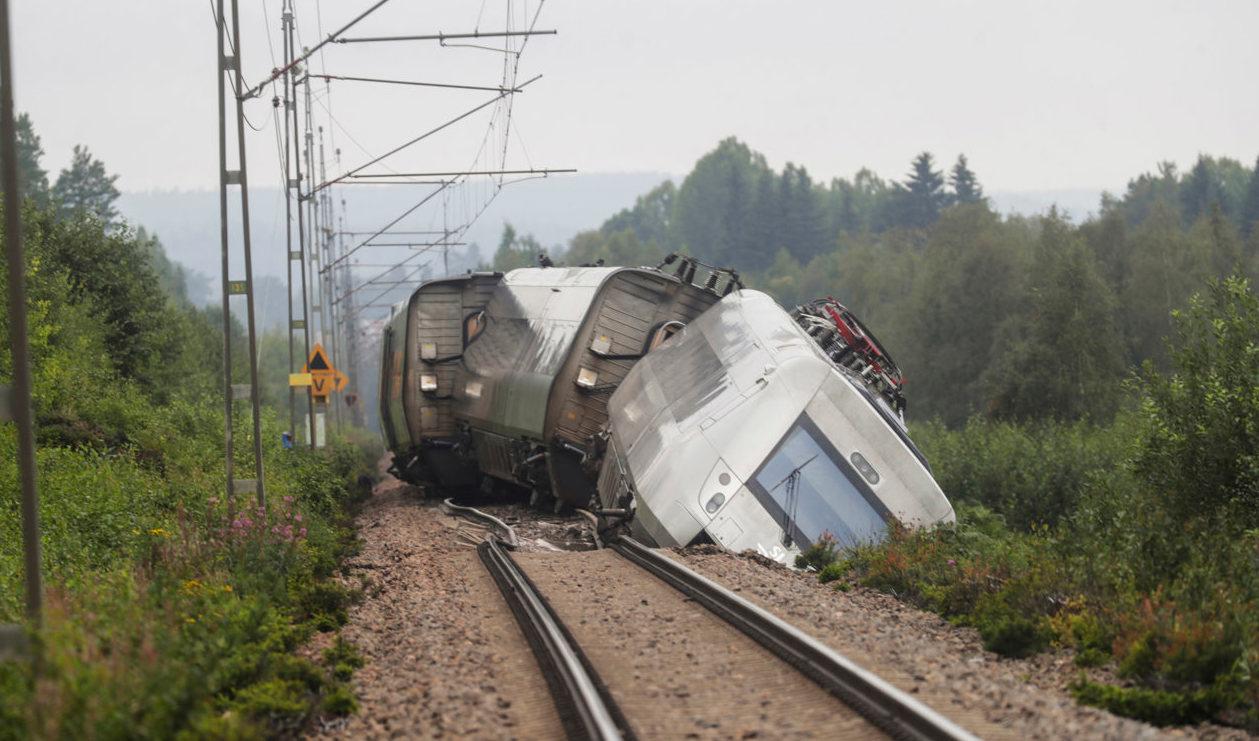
750 431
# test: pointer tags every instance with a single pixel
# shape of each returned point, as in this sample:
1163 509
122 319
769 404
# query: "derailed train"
677 410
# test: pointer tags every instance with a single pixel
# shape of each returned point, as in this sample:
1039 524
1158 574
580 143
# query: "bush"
1200 443
1152 706
1031 474
819 555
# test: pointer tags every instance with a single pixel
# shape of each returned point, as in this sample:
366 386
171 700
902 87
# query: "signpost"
323 378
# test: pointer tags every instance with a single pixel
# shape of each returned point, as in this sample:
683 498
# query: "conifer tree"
922 196
31 175
1201 189
1250 206
966 187
85 188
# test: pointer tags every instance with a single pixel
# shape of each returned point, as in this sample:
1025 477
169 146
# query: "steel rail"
883 705
506 532
583 703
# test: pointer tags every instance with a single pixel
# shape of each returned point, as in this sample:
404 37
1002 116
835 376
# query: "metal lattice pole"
291 82
285 18
20 400
230 65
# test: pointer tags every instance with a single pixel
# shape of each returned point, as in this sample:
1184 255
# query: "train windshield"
810 490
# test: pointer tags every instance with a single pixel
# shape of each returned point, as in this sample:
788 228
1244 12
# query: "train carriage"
743 431
508 376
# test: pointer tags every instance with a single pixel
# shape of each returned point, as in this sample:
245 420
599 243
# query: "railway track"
584 705
890 709
585 688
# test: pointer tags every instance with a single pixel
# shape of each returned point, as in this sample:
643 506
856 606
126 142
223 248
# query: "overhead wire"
457 189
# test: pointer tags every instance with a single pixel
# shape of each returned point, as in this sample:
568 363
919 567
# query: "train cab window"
662 333
811 490
473 325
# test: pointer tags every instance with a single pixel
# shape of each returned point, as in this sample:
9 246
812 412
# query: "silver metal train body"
744 431
667 407
508 376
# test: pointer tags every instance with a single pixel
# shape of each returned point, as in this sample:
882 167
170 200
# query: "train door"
386 390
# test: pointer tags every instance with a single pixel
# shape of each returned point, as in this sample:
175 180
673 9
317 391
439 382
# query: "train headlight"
428 350
715 502
864 468
587 378
473 390
428 383
601 345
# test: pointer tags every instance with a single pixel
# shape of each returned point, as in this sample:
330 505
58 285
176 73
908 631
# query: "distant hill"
552 210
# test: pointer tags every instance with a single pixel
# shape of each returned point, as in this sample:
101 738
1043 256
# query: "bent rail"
887 707
584 706
506 532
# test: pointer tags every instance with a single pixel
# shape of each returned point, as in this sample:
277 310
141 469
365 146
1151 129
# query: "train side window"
473 325
662 333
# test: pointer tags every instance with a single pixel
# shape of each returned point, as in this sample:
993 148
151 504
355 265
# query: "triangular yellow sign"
318 360
324 378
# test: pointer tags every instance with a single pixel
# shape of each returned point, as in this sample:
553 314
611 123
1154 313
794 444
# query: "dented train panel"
742 432
522 397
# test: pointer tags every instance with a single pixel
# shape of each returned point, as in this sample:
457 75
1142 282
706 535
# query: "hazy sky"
1038 94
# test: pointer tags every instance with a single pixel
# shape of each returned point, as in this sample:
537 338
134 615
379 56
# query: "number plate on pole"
14 643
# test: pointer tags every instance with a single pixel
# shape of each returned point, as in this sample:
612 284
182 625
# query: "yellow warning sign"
299 379
324 378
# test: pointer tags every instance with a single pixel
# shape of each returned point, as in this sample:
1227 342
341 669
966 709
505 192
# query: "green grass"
169 612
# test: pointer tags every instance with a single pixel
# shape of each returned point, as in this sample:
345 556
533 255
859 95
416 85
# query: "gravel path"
444 655
675 669
944 666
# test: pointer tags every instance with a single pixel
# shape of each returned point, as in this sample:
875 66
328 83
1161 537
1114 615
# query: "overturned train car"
758 429
491 377
680 412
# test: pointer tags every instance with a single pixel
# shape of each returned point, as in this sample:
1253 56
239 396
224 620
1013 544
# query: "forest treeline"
1083 390
1011 317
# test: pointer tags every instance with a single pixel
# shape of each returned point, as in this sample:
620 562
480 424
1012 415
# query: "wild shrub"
819 555
1153 706
1201 443
1030 473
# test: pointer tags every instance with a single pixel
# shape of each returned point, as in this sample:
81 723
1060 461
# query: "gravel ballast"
675 669
444 657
